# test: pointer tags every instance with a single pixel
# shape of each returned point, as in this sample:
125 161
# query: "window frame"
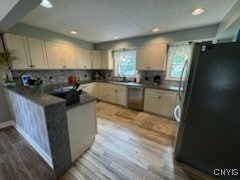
169 63
116 65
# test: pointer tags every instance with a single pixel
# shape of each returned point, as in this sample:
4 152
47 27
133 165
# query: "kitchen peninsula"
58 133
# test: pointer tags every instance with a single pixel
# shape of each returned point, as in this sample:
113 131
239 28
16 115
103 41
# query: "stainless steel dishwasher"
135 97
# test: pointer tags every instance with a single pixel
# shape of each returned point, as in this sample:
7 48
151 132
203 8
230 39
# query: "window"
125 63
177 56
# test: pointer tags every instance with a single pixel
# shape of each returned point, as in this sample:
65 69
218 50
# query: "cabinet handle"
64 66
159 97
33 65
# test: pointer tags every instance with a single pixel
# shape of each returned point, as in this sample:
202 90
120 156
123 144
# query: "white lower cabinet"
90 88
117 94
102 91
81 129
159 101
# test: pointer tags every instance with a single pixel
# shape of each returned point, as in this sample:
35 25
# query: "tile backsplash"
148 76
61 76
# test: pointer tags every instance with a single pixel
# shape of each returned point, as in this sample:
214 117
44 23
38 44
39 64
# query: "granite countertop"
83 100
164 87
39 95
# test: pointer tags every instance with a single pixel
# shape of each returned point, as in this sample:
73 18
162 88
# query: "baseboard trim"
46 157
6 124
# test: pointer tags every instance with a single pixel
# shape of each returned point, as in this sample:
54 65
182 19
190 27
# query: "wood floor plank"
123 149
41 172
5 172
27 155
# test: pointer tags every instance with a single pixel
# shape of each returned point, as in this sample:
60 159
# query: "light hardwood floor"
128 145
131 145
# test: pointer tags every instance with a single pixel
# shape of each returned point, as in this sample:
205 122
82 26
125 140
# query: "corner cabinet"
152 57
18 44
160 102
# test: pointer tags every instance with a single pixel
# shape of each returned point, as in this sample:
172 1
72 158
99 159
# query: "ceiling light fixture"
115 37
73 32
198 11
155 30
46 4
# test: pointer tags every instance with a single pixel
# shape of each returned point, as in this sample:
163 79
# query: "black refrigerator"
209 128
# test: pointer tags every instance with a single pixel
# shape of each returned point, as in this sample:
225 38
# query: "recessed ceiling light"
198 11
155 30
115 37
46 4
73 32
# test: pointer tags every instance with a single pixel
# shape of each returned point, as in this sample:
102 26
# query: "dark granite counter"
163 87
83 100
37 95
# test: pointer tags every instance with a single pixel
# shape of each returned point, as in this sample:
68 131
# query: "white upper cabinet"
18 44
83 58
69 57
37 54
152 57
107 59
54 55
96 59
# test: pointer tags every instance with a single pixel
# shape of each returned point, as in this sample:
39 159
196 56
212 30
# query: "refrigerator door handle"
177 112
181 79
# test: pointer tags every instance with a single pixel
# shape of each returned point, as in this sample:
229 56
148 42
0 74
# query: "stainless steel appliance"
208 134
135 97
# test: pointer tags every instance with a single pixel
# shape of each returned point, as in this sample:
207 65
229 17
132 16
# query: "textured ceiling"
100 20
6 6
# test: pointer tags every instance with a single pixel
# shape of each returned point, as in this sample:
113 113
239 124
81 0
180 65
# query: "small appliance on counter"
157 80
35 81
29 80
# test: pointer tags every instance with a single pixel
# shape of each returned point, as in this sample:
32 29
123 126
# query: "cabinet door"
80 63
107 60
54 55
151 103
112 95
86 58
166 105
151 57
121 97
140 61
157 57
18 44
37 54
96 59
102 91
69 57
